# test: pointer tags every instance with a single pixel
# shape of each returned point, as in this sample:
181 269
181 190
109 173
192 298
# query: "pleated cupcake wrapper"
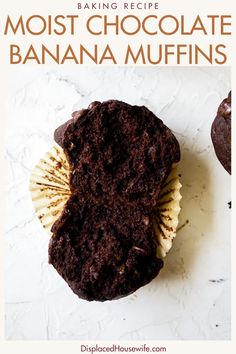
49 187
167 212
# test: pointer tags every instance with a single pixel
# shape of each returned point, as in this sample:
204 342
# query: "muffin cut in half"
120 195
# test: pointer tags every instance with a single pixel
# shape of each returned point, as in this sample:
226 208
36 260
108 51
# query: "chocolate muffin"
221 133
104 244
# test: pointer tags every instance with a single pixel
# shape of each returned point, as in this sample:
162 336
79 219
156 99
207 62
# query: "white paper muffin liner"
167 212
49 187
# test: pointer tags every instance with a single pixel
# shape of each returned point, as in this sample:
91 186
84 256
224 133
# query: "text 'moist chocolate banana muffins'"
104 244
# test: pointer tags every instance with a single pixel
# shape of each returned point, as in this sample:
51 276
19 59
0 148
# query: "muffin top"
118 151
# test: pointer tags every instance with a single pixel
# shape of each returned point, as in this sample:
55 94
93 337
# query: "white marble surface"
191 297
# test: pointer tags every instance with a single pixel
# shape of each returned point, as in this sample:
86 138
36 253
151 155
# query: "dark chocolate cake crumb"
103 251
104 243
118 149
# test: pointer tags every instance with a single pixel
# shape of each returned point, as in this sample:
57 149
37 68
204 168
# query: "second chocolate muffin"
221 133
